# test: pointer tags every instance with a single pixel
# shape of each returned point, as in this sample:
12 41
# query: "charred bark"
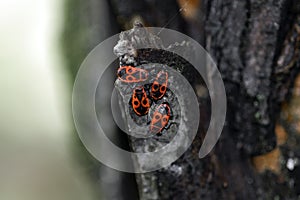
256 47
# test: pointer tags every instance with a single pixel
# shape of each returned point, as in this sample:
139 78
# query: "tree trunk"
255 45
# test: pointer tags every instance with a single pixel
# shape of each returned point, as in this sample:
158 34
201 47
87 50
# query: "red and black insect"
140 101
159 86
143 96
160 118
130 74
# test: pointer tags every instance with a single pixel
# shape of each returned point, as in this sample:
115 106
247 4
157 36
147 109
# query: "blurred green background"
35 110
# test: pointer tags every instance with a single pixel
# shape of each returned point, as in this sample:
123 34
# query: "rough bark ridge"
243 39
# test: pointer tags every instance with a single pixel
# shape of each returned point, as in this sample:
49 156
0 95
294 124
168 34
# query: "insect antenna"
182 8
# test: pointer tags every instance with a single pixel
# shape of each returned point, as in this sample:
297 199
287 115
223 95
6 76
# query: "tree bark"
256 47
